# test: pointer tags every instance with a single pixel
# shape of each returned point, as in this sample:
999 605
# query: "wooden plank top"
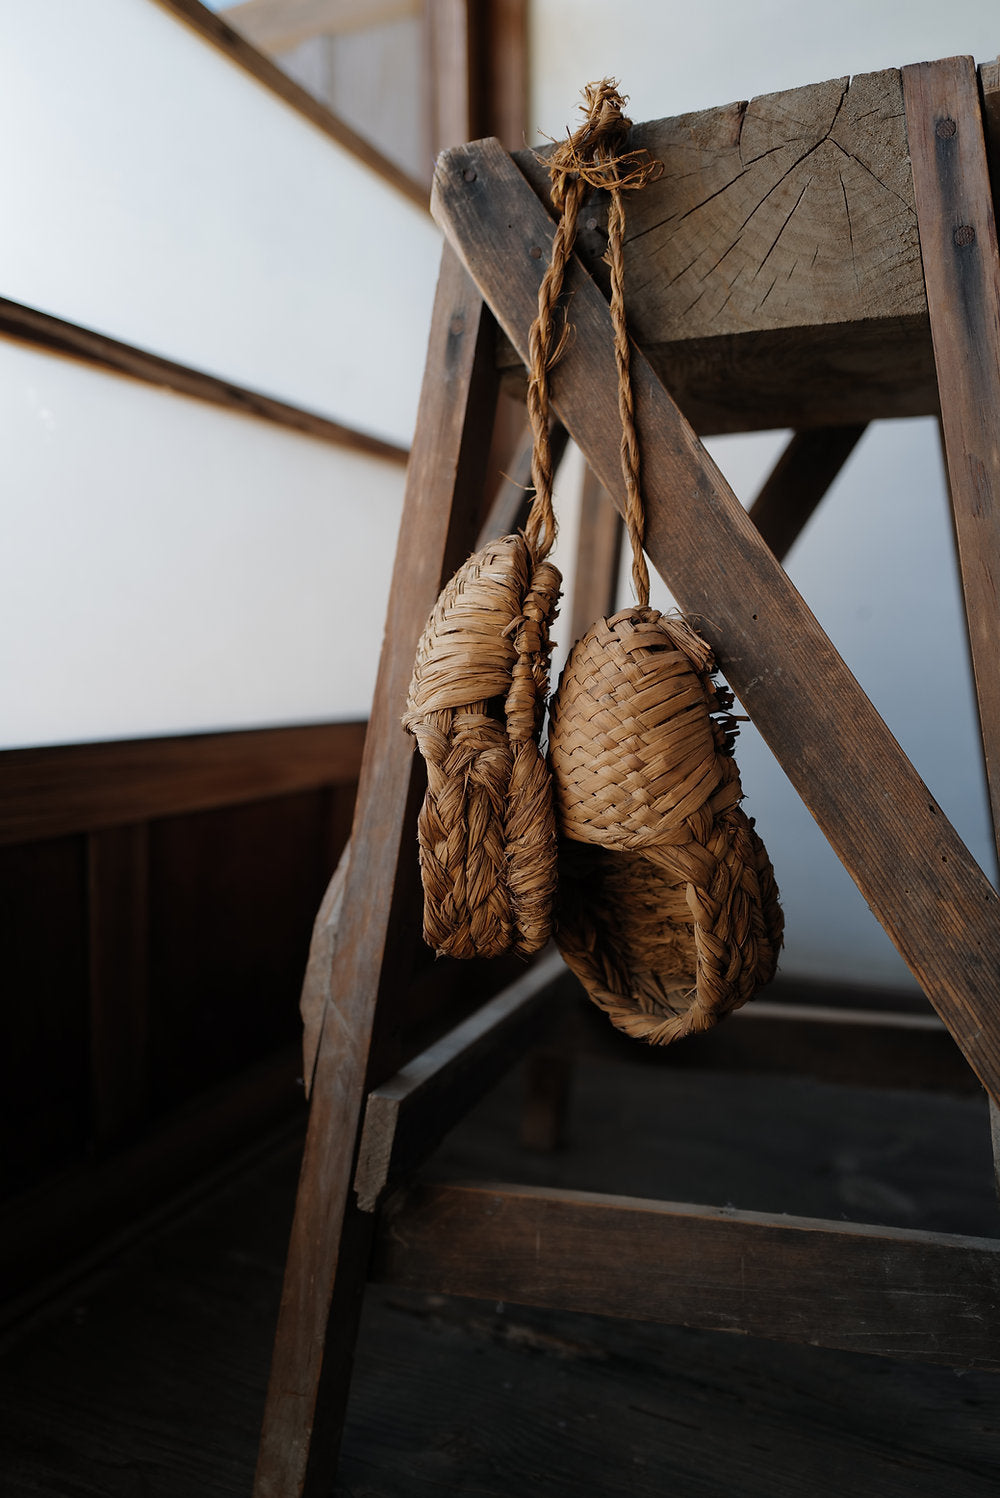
774 269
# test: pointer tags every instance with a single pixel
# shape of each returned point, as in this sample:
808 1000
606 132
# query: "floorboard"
147 1379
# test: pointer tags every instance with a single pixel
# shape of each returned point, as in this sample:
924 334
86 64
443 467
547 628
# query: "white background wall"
877 563
167 567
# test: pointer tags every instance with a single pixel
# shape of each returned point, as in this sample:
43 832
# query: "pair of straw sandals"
627 842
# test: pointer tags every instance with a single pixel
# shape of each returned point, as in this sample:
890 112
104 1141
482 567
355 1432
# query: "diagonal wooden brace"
909 863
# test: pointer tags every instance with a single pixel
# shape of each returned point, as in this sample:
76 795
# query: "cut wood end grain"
795 209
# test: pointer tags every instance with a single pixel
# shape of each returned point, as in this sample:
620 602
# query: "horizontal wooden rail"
238 50
895 1292
68 789
408 1116
45 331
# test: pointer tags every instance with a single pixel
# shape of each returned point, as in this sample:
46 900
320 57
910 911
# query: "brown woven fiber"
668 911
486 829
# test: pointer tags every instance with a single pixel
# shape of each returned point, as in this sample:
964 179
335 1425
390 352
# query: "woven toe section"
668 910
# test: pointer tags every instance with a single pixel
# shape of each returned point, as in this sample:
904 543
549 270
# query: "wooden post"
958 241
328 1254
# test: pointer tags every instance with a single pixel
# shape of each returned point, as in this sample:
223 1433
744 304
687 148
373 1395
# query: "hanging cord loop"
594 156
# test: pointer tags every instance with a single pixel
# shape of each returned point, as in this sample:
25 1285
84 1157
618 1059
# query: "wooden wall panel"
156 898
232 898
44 1084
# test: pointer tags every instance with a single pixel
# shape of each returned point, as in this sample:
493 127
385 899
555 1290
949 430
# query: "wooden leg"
956 217
328 1254
798 481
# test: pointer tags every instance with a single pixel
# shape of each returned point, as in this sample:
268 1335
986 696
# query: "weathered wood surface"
799 480
914 871
55 791
774 270
962 273
989 88
409 1115
42 330
378 923
895 1292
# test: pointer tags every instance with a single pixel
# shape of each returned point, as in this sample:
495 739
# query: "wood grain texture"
894 1292
408 1115
914 871
799 480
55 791
216 30
958 239
377 928
774 269
42 330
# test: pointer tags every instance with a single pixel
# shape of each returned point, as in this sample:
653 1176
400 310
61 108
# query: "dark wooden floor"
146 1381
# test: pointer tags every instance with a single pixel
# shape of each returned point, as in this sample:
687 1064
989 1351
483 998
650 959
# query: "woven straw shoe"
486 828
668 911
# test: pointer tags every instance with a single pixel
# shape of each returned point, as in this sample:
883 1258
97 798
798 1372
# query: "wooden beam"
376 928
962 273
894 1292
799 480
215 29
277 25
408 1116
450 71
42 330
55 792
774 270
919 879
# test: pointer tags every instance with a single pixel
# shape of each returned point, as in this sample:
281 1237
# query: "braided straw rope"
668 910
487 828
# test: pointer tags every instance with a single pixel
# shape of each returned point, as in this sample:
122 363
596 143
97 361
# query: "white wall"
167 567
876 564
171 567
155 191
